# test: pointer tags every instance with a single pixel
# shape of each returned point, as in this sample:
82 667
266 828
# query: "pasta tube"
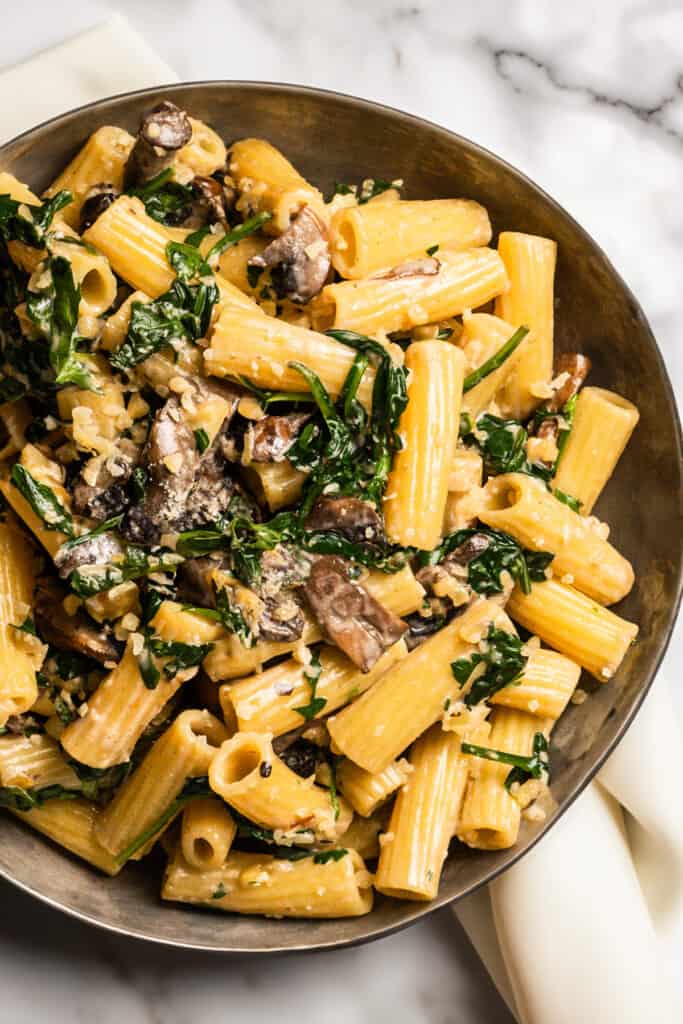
21 655
207 833
490 816
464 280
530 264
482 336
603 424
102 159
522 506
365 791
268 182
417 488
250 777
253 883
267 702
251 344
34 762
548 681
71 824
186 749
413 850
205 153
575 625
386 719
118 712
372 237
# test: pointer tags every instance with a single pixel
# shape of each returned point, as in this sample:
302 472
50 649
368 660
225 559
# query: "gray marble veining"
588 100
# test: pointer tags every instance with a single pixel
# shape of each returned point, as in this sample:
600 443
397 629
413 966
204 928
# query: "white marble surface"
588 100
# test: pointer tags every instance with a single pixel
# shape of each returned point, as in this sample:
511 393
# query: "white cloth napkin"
575 933
583 929
103 61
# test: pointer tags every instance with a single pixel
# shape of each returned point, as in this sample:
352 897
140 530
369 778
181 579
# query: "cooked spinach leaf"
496 360
166 200
54 311
315 705
502 553
18 799
182 313
533 767
567 499
29 227
201 439
503 660
136 562
42 500
179 656
193 787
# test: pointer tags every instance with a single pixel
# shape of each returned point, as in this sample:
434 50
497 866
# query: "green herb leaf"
194 787
268 398
18 799
504 663
27 626
219 893
43 501
496 360
187 261
237 234
325 856
183 313
312 676
54 310
201 439
567 499
32 228
374 187
432 249
166 200
180 656
502 553
93 579
533 767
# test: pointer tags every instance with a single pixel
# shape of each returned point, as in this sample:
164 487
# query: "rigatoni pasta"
293 480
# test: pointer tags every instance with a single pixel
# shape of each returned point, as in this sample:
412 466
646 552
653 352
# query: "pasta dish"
299 566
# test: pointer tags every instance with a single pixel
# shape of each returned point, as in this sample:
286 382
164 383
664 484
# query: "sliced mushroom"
425 267
210 199
577 367
300 258
269 439
96 201
171 459
213 487
420 627
355 519
194 580
283 571
108 495
302 756
99 550
349 616
77 632
163 131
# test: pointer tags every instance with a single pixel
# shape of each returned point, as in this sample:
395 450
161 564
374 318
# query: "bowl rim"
417 910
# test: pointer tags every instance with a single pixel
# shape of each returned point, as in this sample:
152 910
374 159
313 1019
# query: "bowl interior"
335 138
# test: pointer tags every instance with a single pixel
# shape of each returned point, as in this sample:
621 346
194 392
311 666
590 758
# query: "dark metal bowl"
337 138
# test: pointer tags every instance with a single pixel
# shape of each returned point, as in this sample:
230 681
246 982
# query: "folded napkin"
584 928
106 60
577 932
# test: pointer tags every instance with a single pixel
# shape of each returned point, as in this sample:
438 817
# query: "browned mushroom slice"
425 267
300 258
107 496
577 367
99 550
163 131
350 618
269 439
283 570
282 619
171 459
357 520
96 201
210 200
213 487
77 632
194 580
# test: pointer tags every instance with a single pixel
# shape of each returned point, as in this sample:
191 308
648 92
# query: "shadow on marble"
429 973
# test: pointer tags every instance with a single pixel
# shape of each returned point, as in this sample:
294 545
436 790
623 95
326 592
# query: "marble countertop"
588 100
